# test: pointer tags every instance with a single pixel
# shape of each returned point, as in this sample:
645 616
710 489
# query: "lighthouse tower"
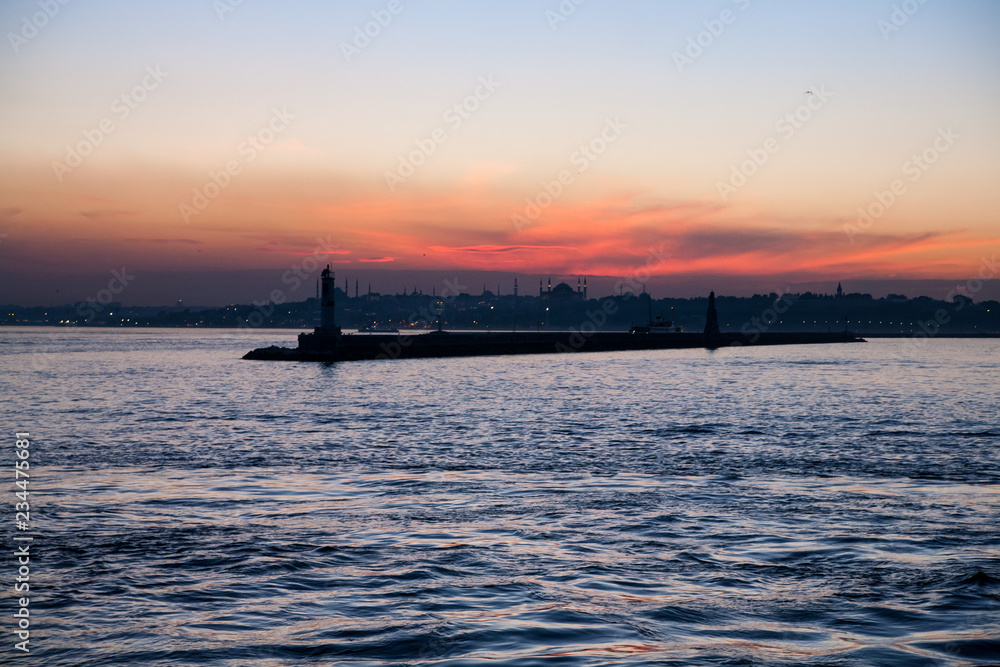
711 318
327 321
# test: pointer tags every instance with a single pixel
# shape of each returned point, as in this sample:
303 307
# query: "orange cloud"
261 218
496 249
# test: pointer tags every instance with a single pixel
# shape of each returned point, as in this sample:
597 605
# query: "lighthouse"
327 319
711 318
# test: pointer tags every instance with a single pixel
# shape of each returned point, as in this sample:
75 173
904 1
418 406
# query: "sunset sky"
727 142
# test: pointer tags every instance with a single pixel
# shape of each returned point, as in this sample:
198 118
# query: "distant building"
561 293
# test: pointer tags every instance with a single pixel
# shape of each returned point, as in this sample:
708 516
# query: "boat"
378 328
658 326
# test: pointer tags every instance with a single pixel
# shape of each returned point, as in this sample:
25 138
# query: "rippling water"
814 505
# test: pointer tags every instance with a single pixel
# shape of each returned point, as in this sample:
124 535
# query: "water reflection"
599 509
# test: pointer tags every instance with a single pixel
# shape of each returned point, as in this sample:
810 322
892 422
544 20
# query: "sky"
747 145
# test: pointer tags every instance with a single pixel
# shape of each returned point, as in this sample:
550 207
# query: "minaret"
550 285
515 286
539 288
355 288
327 320
579 287
712 318
585 288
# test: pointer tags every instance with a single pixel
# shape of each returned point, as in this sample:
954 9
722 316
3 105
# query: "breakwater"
322 346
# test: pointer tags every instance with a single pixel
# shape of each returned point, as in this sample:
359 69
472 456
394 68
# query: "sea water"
801 505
